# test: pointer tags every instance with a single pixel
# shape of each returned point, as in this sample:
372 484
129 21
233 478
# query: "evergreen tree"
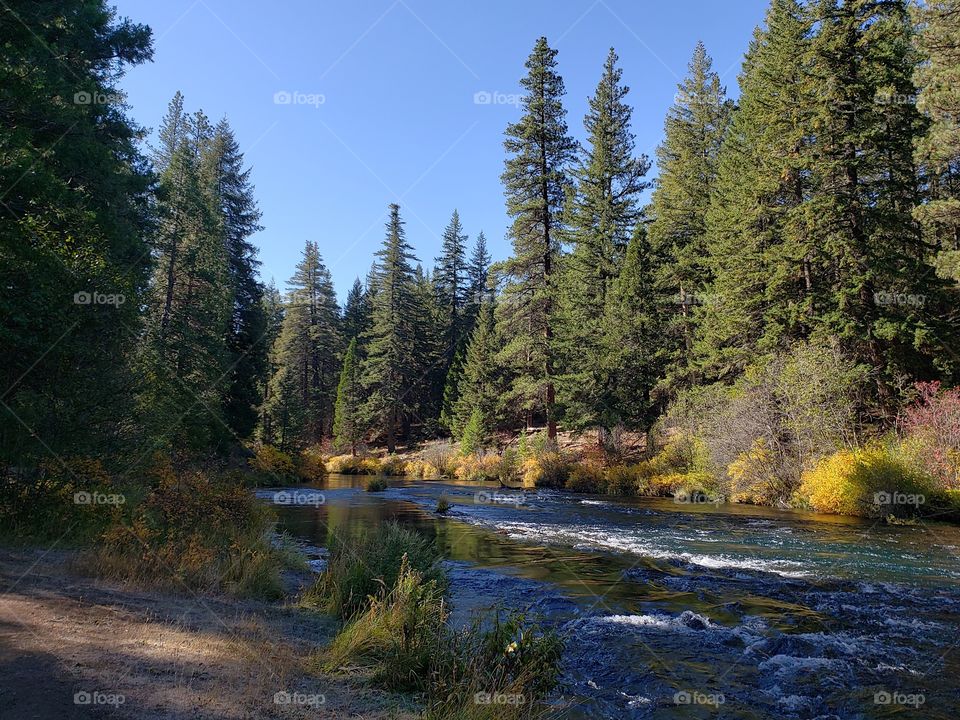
758 255
601 215
184 354
233 198
451 390
863 189
356 312
535 182
475 437
76 221
452 284
938 151
273 311
431 326
391 367
686 161
633 354
478 270
347 418
304 386
480 388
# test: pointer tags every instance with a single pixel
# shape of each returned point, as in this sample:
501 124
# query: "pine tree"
347 418
476 436
391 366
938 151
430 322
184 353
632 355
480 388
452 284
863 189
686 161
478 270
356 312
451 390
535 183
601 216
303 388
758 256
76 221
273 312
233 198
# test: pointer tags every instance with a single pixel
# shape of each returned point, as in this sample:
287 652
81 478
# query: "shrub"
932 427
393 465
197 530
422 469
310 464
478 467
352 465
586 478
549 470
377 484
869 482
360 567
53 500
754 477
272 465
628 479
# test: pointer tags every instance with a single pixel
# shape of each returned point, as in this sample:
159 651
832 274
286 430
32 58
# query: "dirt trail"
75 647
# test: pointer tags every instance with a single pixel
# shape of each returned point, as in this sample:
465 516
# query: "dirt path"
74 647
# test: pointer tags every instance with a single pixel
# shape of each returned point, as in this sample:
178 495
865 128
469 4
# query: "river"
675 610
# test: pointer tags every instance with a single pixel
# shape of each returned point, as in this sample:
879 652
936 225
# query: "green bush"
360 567
628 479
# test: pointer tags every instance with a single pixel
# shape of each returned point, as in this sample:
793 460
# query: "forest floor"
66 639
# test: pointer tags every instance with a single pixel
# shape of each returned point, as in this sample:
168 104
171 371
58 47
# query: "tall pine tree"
535 183
601 215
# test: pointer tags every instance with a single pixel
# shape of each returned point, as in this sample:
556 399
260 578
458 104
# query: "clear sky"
383 103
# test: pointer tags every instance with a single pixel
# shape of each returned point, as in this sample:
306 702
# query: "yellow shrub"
753 476
352 465
871 482
587 478
422 469
478 467
393 465
549 470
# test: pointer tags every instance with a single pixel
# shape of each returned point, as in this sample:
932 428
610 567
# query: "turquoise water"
691 610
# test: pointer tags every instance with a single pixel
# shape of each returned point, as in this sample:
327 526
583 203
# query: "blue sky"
383 100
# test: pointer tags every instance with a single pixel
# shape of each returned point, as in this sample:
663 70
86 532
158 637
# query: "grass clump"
399 636
377 484
361 567
443 505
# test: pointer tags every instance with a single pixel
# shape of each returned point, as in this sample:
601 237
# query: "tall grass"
498 668
359 568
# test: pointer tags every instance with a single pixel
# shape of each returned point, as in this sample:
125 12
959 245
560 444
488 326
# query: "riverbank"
151 655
